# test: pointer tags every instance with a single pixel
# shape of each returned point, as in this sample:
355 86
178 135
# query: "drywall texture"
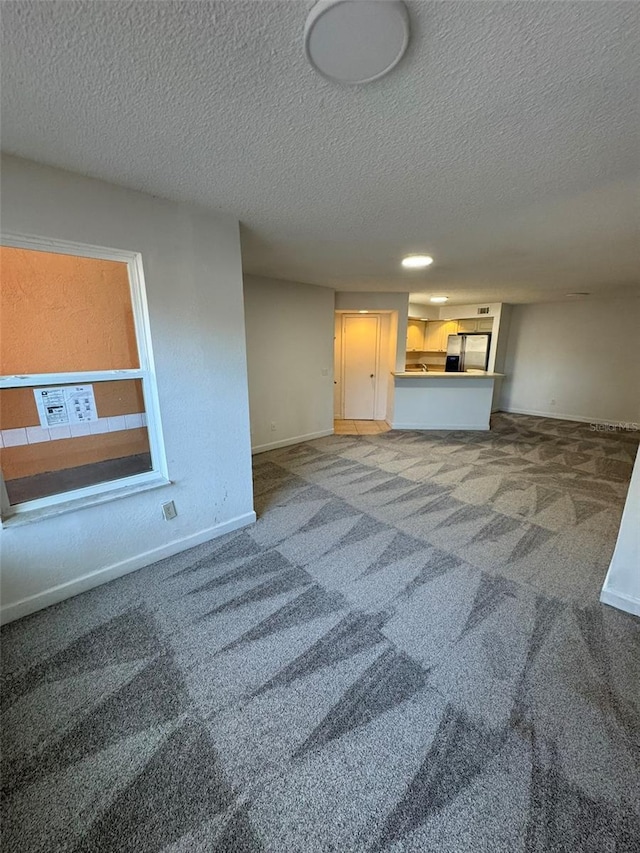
289 330
578 360
622 584
459 312
424 312
499 348
193 278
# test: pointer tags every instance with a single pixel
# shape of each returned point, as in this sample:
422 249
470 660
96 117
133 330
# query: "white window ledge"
27 515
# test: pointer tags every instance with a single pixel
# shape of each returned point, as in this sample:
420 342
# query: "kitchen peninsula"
438 400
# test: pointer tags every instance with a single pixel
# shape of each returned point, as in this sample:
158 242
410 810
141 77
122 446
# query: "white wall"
463 312
290 330
193 274
578 360
453 312
423 312
500 339
499 349
622 584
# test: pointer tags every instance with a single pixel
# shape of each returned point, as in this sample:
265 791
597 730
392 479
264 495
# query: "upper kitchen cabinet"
449 327
436 334
433 336
481 324
415 335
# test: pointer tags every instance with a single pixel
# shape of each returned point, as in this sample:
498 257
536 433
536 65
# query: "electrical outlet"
273 426
169 510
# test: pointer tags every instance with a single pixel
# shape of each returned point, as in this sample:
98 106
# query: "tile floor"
360 427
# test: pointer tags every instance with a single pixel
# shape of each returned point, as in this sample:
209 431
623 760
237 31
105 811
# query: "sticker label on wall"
68 404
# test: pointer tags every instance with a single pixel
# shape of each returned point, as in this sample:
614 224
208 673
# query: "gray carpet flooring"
405 653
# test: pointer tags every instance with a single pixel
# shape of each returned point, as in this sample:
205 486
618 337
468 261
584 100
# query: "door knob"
371 375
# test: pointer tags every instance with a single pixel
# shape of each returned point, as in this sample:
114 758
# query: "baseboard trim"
286 442
621 601
559 416
476 427
40 600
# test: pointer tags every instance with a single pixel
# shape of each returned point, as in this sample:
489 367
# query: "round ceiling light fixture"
439 299
356 41
417 262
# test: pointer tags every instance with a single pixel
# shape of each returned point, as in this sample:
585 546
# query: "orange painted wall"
28 459
121 397
61 313
18 409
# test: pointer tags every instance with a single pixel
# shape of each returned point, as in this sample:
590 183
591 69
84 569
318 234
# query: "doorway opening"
365 354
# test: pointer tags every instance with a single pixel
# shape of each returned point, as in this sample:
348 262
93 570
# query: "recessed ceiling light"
438 298
417 262
363 312
356 41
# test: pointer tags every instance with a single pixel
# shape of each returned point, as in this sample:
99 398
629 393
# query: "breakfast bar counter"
438 400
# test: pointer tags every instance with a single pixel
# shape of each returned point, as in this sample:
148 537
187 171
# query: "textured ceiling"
506 143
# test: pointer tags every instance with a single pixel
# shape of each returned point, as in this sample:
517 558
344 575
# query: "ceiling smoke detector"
356 41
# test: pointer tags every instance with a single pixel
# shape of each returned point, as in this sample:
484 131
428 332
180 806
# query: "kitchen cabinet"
415 335
433 336
436 334
449 327
481 324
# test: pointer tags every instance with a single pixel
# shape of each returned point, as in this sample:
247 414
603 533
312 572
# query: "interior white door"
360 336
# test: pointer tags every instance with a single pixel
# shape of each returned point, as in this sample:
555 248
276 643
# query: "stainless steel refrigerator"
468 351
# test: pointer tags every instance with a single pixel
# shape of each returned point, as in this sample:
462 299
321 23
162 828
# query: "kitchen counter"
440 374
440 400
